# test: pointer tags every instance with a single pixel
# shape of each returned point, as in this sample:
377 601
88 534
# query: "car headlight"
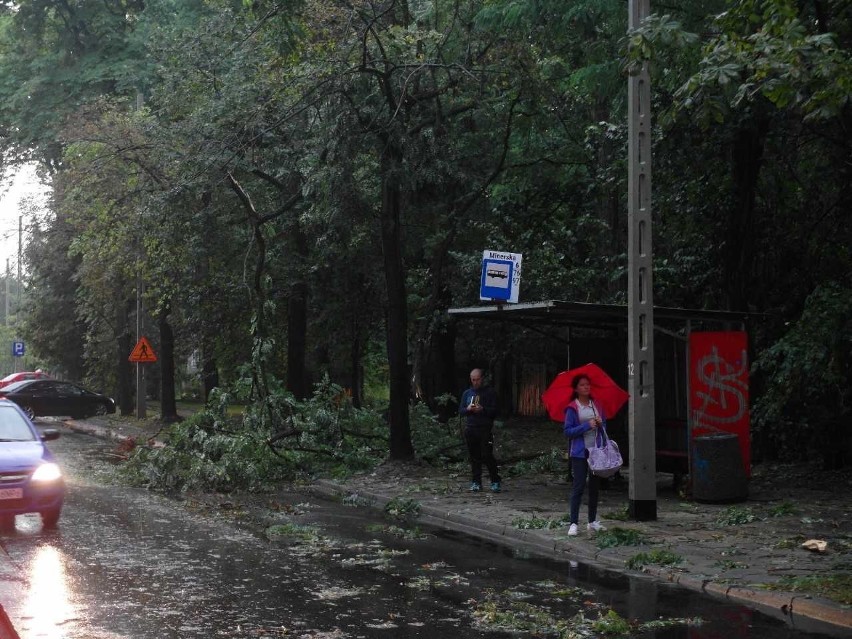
47 472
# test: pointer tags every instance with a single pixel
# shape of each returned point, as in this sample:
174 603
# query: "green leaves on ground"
551 462
735 516
837 587
540 523
402 508
618 536
292 531
653 558
510 611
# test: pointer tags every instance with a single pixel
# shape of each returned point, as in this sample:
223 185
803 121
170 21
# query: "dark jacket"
488 401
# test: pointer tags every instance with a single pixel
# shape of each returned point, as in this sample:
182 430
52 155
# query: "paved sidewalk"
728 550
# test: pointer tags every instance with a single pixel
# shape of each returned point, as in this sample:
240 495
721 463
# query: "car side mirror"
49 434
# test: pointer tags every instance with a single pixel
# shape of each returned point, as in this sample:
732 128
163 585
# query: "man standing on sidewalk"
479 408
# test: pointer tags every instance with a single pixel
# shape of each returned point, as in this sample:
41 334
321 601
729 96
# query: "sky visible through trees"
15 190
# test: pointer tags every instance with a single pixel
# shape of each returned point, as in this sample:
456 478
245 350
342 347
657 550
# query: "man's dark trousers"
480 447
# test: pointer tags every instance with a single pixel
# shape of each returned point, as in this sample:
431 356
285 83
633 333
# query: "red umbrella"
605 392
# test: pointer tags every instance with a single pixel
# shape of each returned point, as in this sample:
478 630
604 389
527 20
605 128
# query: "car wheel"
50 518
101 409
7 522
29 411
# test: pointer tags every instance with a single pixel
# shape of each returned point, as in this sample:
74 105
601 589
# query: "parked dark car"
30 479
40 397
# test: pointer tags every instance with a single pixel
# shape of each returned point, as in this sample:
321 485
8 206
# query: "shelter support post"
689 460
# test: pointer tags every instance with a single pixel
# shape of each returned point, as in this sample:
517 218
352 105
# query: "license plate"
11 493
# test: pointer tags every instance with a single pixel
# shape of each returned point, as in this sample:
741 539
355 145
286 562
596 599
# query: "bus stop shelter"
580 332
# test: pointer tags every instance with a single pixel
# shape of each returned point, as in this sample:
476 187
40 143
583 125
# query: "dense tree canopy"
302 188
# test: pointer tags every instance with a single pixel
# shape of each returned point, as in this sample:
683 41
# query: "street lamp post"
640 305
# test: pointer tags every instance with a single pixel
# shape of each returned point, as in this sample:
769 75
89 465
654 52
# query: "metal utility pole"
640 305
141 405
8 290
20 259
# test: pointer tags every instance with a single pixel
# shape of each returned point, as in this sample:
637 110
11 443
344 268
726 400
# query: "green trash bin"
718 474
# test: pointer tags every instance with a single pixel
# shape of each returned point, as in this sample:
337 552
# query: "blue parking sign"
18 349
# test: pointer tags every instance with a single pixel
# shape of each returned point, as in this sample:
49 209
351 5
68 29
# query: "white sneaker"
595 526
572 530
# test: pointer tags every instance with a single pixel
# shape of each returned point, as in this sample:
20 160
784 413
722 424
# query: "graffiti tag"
723 399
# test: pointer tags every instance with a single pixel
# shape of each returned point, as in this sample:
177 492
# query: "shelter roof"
564 313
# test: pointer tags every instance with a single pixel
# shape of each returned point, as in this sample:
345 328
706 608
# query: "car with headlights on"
30 479
51 397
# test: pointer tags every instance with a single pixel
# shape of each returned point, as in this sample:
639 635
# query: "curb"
106 433
800 612
97 431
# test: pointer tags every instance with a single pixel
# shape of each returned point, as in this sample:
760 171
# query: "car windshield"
13 426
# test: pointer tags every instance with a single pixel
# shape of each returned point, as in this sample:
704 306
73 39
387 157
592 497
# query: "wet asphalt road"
126 563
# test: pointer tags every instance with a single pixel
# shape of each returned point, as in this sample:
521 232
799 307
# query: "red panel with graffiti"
718 381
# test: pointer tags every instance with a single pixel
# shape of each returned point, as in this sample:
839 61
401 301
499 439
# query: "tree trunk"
297 323
435 303
209 377
747 158
356 372
397 313
297 328
168 403
445 352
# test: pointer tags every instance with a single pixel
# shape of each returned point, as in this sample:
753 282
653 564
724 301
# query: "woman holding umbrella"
583 418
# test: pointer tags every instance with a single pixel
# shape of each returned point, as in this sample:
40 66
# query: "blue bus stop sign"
501 276
496 279
18 349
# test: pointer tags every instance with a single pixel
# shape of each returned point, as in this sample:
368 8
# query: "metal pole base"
642 509
141 407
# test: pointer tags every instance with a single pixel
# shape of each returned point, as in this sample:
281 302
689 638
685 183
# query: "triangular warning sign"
143 352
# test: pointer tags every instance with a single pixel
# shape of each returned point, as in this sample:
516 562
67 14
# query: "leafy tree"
51 276
806 398
55 56
760 94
